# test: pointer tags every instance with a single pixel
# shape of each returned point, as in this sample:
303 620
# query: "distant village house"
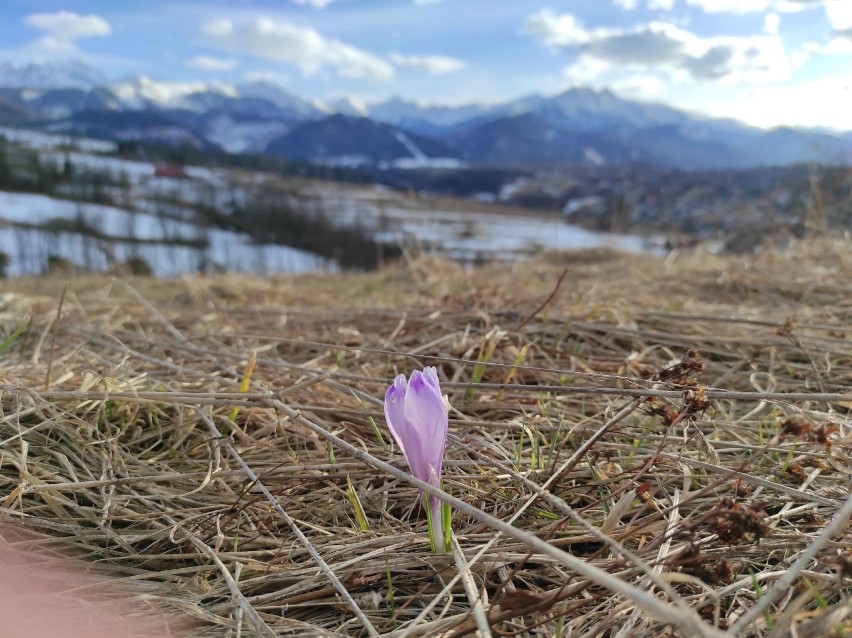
170 170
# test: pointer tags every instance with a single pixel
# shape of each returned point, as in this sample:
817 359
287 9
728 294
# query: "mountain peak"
588 97
279 96
588 90
348 106
143 91
50 75
414 114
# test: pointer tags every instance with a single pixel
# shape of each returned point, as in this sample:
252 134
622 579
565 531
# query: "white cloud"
754 6
655 43
68 26
62 29
588 71
835 45
798 57
840 14
220 28
556 30
794 6
641 86
319 4
821 102
731 6
629 5
433 64
664 47
209 63
771 22
53 47
303 47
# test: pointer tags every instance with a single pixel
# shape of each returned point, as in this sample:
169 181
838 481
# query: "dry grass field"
638 446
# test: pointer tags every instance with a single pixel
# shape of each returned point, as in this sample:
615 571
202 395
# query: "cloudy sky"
766 62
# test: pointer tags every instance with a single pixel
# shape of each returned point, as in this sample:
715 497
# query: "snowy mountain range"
50 75
578 127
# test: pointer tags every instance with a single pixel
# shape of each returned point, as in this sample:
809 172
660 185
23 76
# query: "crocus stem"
436 526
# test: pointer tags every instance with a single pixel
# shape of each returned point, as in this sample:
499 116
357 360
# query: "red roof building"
170 170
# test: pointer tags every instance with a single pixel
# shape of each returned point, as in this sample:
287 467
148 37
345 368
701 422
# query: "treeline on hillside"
23 170
456 182
460 182
281 215
187 154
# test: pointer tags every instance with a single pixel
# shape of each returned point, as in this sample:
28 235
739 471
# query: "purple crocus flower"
416 413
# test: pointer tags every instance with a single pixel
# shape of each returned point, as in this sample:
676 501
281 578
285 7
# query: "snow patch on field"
121 232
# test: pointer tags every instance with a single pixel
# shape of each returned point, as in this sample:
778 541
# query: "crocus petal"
431 376
417 462
395 411
424 409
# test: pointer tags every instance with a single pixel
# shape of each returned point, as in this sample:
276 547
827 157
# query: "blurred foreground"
46 594
722 487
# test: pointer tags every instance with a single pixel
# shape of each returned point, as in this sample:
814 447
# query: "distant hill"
13 114
355 141
143 125
528 140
